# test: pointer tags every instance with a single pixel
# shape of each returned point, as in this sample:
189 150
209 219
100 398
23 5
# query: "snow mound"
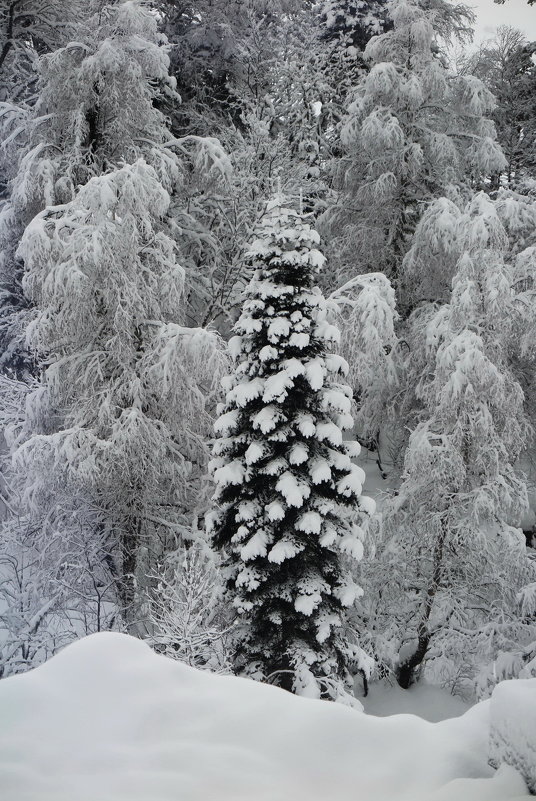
513 727
108 720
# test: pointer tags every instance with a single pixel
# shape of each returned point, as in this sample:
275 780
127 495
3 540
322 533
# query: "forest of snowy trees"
254 254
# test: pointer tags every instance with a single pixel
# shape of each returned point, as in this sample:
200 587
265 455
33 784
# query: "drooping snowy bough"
291 513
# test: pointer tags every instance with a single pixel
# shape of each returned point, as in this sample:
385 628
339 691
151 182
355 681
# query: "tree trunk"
127 580
8 44
405 673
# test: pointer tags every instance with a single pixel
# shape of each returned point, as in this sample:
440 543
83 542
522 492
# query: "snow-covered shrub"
53 590
185 611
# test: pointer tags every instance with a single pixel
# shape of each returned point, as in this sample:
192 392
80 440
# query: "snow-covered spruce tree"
113 443
454 559
290 511
413 132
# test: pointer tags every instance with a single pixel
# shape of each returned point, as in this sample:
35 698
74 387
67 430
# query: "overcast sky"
516 13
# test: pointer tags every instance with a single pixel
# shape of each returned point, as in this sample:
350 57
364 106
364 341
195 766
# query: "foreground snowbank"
513 727
108 720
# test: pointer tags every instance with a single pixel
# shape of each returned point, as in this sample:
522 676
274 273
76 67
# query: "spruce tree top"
289 495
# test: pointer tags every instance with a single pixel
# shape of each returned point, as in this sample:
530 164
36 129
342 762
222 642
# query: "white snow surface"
108 720
513 727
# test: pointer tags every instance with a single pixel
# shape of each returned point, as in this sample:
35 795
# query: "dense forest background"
332 207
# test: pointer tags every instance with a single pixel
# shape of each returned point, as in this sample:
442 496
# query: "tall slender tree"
290 511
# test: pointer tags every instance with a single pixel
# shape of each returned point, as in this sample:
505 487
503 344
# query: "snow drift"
108 720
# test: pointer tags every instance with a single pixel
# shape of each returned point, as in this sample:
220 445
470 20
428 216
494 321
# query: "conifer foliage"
291 513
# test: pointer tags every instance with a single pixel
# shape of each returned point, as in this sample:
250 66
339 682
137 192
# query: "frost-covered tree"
53 590
248 72
30 29
364 309
113 442
506 65
454 559
98 106
413 132
352 23
290 511
223 53
429 267
430 263
95 108
346 26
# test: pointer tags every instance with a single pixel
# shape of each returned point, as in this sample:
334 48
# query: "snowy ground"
108 720
424 700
